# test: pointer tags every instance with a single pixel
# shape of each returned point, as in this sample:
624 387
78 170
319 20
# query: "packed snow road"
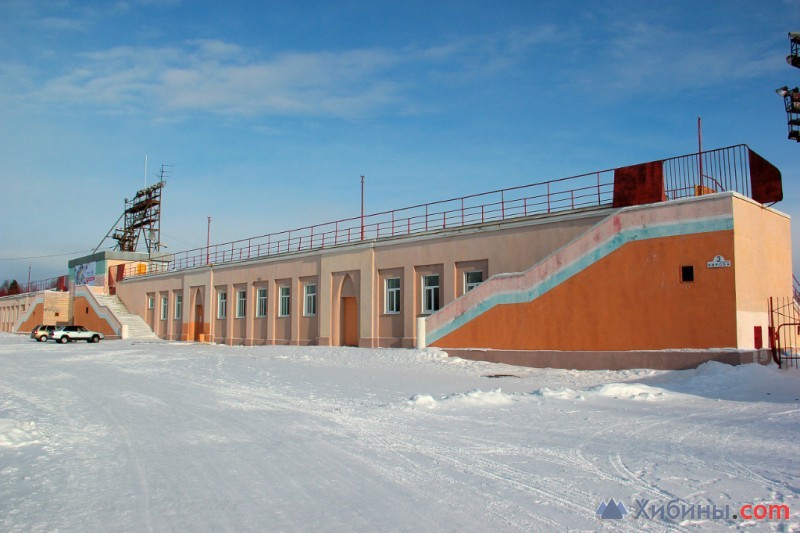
154 437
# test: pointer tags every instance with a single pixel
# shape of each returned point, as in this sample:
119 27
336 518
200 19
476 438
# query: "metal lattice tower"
142 218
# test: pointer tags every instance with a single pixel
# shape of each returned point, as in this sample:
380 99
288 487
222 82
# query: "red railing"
58 283
577 192
723 169
784 331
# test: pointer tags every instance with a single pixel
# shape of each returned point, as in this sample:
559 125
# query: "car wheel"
95 338
41 338
63 340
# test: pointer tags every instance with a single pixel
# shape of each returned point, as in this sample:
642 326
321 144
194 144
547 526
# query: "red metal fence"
58 283
784 331
567 194
724 169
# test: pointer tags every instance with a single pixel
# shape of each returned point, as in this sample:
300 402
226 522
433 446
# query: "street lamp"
791 101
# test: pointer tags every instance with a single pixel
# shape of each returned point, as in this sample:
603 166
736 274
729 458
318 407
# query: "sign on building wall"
719 262
85 274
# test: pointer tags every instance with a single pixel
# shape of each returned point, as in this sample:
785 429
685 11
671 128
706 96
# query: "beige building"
652 265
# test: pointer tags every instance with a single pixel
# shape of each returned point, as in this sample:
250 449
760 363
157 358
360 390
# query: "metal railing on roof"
56 283
723 169
695 174
561 195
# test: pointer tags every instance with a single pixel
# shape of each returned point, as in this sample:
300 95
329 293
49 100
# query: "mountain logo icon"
611 510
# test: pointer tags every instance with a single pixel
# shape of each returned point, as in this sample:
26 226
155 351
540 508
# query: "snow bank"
741 383
562 393
15 434
474 398
629 391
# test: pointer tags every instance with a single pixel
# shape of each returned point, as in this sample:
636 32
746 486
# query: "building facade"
665 264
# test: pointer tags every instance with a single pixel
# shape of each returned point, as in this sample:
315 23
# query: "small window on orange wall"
687 274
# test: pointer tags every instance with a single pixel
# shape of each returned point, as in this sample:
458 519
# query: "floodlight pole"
362 207
700 150
208 240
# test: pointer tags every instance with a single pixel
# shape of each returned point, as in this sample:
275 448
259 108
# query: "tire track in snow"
373 430
378 430
127 441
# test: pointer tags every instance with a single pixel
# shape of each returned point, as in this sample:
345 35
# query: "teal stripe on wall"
625 236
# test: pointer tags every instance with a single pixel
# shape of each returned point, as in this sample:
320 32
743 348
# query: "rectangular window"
430 293
284 302
472 280
392 296
241 303
222 304
178 306
164 307
151 301
261 303
687 274
310 303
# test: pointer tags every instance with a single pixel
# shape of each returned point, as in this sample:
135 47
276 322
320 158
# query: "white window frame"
310 299
151 301
241 303
261 302
164 307
222 305
284 295
469 285
178 306
391 296
431 294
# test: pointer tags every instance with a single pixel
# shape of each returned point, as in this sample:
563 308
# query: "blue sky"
269 112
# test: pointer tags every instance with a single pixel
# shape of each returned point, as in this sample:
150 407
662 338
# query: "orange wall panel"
85 316
36 318
633 299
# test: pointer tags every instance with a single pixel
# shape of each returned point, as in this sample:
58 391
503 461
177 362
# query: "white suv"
75 333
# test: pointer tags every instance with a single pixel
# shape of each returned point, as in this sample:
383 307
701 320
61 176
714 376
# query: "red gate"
784 330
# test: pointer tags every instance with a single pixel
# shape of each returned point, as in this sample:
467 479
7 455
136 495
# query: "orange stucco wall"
633 299
85 316
36 318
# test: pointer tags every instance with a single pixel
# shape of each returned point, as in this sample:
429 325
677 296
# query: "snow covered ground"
174 436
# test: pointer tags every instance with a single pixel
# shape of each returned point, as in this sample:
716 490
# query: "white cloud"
64 24
642 57
220 77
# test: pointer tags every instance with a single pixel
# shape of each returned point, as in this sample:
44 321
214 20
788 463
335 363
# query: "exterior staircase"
137 328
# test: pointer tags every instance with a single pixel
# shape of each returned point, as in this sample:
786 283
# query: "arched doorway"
349 313
199 317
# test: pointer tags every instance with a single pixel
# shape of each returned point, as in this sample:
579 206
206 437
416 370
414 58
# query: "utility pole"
208 240
362 207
